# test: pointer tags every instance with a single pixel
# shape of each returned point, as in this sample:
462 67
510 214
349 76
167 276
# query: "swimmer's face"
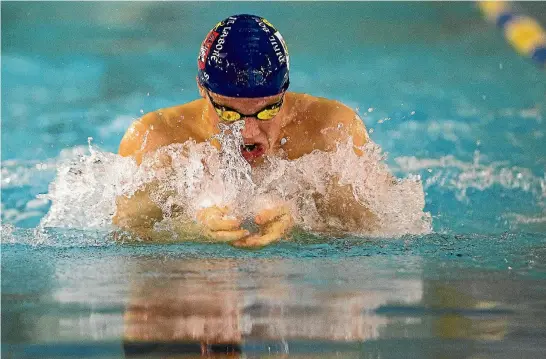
259 135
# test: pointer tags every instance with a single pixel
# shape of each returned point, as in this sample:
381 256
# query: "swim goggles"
231 115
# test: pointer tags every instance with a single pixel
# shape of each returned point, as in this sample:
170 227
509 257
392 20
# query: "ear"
202 92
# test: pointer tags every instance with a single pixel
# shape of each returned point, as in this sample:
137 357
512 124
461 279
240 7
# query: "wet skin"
304 123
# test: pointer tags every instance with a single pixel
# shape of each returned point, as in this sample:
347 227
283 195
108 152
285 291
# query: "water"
440 92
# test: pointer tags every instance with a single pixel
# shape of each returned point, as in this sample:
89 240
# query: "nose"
251 128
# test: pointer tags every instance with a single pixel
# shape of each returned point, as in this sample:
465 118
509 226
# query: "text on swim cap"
222 40
263 26
205 48
277 49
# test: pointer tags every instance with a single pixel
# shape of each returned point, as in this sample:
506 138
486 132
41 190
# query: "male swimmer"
242 74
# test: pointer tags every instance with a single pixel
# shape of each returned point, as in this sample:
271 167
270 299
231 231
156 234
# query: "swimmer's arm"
339 203
137 214
213 223
342 211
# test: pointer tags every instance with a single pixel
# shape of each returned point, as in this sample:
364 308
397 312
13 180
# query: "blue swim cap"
243 56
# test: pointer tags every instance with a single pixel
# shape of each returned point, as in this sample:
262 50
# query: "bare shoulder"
323 110
323 123
160 128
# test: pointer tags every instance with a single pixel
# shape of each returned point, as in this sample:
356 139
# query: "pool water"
438 89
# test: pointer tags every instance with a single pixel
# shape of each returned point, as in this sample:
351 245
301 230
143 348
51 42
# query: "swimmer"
242 74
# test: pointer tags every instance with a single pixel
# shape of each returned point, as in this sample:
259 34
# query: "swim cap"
243 56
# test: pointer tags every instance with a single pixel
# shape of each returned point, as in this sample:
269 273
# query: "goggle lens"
226 115
229 115
269 113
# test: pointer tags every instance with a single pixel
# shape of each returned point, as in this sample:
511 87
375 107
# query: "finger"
272 232
278 227
255 241
214 219
269 214
227 236
222 224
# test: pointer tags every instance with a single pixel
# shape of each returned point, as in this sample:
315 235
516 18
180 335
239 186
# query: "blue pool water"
439 90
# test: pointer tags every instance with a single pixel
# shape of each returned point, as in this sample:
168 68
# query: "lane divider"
523 32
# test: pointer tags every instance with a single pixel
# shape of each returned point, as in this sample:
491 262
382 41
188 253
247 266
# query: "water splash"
85 188
193 175
395 205
16 173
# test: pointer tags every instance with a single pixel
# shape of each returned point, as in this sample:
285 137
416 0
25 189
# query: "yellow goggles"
231 115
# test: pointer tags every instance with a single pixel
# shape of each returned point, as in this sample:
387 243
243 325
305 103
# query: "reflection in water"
223 305
199 304
162 303
463 315
229 307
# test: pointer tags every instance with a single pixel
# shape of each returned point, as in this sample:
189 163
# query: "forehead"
244 102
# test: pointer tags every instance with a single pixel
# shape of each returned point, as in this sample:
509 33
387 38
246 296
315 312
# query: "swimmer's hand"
217 225
274 224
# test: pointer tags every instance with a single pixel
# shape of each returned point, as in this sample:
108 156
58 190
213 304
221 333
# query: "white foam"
453 174
84 192
17 173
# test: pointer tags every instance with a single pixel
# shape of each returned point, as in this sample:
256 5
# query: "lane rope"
523 32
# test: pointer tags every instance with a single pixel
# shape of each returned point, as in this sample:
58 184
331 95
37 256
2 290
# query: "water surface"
439 91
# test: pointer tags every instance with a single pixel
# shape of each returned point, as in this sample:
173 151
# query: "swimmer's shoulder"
175 117
163 127
324 122
323 111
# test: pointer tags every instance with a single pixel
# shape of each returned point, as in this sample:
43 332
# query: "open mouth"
250 148
251 151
